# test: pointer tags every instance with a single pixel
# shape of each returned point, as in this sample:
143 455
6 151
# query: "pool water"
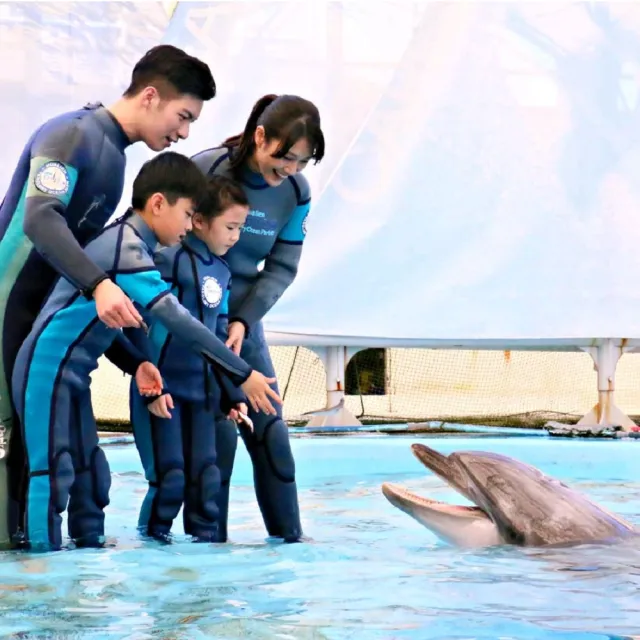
369 572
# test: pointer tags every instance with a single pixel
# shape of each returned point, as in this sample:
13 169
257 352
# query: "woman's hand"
258 392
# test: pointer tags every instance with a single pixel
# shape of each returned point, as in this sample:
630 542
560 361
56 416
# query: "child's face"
172 222
221 233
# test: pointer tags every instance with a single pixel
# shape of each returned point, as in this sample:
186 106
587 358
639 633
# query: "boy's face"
221 233
166 121
171 222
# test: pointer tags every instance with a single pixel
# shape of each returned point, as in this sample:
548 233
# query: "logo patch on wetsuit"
304 225
211 291
52 178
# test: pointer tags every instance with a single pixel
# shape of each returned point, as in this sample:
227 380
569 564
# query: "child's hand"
160 407
148 379
258 392
236 336
234 414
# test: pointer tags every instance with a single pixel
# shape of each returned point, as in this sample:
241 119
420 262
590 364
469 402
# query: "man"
68 182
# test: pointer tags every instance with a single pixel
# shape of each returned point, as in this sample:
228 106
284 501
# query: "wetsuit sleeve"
231 395
150 291
57 167
280 266
134 346
137 345
124 353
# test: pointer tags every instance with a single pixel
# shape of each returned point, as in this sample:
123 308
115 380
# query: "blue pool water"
370 572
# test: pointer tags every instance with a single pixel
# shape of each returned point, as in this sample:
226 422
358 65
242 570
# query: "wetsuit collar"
112 128
253 179
142 229
197 246
249 177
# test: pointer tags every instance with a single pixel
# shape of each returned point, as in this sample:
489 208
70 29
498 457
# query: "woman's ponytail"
244 143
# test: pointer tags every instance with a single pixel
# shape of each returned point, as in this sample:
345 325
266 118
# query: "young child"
51 377
186 445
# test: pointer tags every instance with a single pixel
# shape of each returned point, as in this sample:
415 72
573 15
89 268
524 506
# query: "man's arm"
145 343
280 266
149 290
58 161
56 167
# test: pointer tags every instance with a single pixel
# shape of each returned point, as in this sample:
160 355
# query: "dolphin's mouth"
403 498
446 469
462 525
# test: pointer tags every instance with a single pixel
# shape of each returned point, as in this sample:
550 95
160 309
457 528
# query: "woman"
281 137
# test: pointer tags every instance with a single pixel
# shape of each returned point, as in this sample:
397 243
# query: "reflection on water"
370 572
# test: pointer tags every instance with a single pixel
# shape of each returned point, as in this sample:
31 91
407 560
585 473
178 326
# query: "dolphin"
514 504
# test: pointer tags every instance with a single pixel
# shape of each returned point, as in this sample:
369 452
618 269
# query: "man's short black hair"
173 175
172 71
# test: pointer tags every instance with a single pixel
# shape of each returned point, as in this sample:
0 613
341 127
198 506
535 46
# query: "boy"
67 184
186 446
51 377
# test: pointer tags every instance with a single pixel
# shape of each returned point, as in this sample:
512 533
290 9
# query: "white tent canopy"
481 180
492 193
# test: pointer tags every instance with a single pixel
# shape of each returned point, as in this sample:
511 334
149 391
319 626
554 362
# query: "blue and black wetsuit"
274 233
189 457
67 183
51 381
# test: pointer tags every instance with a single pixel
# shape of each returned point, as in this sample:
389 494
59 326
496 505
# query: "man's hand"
114 307
258 392
160 407
148 379
236 336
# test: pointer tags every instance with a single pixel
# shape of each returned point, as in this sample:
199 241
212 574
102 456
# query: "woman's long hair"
286 118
